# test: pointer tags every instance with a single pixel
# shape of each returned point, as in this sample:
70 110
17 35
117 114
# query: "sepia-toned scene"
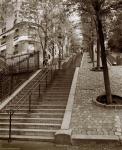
60 74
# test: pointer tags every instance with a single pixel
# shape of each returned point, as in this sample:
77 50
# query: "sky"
75 19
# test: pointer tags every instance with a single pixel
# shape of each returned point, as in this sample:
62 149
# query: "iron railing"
9 83
40 85
4 85
23 62
13 65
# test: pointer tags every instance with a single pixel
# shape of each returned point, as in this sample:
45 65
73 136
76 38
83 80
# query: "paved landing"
87 118
15 145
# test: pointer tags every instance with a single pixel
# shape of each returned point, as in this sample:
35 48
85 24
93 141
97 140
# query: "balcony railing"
3 42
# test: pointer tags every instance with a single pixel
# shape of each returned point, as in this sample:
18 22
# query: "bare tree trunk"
98 53
104 62
92 52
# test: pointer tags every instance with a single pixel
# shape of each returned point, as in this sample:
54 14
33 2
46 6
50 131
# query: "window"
3 52
3 40
31 47
48 56
16 49
16 34
32 32
15 21
4 29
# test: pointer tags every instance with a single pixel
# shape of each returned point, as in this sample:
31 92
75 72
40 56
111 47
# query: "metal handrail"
28 96
48 72
25 95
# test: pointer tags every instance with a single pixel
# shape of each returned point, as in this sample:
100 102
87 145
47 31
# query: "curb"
78 139
63 136
107 106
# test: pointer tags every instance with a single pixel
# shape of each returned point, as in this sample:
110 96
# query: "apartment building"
18 35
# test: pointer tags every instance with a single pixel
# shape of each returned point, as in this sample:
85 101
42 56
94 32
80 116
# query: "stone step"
62 83
58 88
49 98
54 102
24 125
58 85
34 95
46 113
69 73
30 86
62 80
53 93
11 148
38 110
45 102
32 90
53 90
56 96
44 105
64 76
33 120
28 138
36 115
28 132
61 92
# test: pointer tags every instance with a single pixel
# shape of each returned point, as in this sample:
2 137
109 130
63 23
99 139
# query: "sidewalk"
87 118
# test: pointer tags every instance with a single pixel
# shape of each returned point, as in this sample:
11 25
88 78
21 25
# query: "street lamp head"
59 36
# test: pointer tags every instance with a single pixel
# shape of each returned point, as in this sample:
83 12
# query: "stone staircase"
46 114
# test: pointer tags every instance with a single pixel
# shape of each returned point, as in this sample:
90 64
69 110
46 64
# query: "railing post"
30 94
39 90
12 78
19 63
46 79
51 73
38 63
10 121
28 63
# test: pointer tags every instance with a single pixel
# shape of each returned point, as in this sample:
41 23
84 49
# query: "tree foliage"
50 20
95 9
115 40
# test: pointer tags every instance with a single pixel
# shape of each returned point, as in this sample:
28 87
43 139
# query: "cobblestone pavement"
50 146
87 118
93 146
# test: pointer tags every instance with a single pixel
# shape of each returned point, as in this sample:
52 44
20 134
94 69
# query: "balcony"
16 34
3 29
16 37
3 40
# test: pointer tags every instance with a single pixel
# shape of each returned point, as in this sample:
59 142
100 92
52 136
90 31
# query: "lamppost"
59 60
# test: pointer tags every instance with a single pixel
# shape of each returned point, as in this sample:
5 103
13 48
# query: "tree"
41 15
50 22
115 39
96 9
